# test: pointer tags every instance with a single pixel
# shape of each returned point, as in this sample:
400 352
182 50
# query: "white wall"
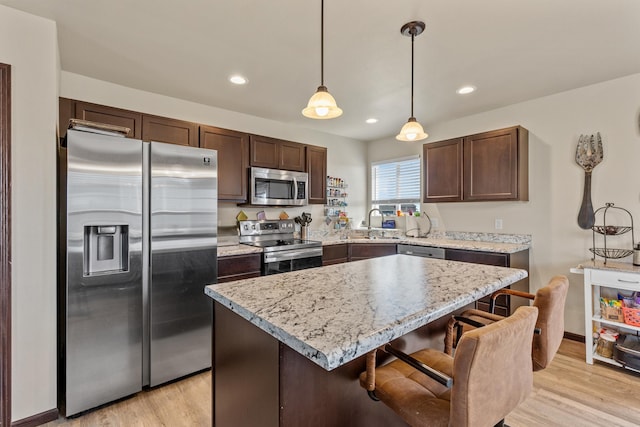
555 180
32 55
345 156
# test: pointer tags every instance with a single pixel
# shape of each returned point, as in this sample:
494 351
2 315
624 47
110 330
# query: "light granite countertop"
337 313
625 267
470 245
230 250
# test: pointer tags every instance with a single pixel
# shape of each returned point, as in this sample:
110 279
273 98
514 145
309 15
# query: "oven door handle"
292 254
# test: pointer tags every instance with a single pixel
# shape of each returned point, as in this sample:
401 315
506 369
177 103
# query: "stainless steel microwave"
278 187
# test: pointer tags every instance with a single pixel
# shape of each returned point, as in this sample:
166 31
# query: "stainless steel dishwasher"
423 251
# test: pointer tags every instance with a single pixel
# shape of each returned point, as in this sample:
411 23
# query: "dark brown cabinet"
317 170
71 109
264 152
335 254
236 267
496 165
172 131
292 156
505 305
233 159
143 126
65 113
358 251
274 153
488 166
442 163
236 150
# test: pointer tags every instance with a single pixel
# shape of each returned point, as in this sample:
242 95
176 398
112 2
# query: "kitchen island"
288 348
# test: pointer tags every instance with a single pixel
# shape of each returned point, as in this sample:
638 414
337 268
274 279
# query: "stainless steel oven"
281 251
276 187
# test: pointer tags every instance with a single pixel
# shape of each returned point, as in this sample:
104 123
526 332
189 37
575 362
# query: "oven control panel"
266 227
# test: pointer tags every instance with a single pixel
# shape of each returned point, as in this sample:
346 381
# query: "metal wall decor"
589 154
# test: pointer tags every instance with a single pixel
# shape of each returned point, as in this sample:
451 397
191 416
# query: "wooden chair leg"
449 336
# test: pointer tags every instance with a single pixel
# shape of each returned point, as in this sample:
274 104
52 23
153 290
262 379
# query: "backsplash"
488 237
227 213
319 228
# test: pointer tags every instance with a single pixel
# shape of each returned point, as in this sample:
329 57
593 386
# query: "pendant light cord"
413 35
322 42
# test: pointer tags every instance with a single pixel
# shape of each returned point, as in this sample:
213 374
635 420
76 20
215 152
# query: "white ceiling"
511 50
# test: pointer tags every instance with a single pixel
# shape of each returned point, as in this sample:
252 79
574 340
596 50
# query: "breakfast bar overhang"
288 348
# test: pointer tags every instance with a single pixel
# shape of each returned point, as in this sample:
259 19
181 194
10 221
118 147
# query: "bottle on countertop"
636 254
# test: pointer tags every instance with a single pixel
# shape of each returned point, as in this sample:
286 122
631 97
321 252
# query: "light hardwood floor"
568 393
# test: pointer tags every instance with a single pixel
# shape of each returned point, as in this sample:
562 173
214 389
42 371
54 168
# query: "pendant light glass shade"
322 105
411 131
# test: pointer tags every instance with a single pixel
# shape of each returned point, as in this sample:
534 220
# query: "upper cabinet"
496 165
173 131
488 166
442 163
233 156
236 150
317 170
70 109
274 153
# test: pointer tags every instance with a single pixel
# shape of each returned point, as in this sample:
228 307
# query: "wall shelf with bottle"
336 197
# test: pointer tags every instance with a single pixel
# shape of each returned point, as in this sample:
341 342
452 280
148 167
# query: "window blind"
396 181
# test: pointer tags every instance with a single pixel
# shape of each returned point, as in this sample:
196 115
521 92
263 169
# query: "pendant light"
322 105
412 130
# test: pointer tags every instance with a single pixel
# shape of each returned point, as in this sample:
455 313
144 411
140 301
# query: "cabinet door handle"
628 281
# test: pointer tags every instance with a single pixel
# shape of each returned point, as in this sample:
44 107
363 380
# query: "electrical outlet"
435 222
498 224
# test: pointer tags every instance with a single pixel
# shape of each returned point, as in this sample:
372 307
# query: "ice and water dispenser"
106 249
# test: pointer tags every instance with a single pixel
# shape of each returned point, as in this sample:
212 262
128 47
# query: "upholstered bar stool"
549 300
489 376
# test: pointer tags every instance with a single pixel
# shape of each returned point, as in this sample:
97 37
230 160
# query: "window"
395 185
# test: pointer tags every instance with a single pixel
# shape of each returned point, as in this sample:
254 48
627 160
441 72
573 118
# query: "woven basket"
631 316
611 313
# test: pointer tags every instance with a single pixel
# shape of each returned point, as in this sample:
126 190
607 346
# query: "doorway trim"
5 249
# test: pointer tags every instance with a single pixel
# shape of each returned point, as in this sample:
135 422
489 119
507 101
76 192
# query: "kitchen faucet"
369 221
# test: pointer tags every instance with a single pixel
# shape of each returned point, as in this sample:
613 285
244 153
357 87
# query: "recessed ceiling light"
238 80
465 90
372 120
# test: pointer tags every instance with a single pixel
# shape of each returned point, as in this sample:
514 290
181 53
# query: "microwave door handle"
294 189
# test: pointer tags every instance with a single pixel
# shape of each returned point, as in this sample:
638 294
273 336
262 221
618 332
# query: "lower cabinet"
505 305
344 252
236 267
335 254
358 251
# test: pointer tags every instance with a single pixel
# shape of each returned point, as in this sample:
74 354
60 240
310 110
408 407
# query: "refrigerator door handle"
146 264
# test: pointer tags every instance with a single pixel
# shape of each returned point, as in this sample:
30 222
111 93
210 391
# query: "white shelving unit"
606 282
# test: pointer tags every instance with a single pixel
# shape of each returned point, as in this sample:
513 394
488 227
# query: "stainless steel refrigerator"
139 221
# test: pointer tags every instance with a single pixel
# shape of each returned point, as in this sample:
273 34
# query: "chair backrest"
550 302
492 370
